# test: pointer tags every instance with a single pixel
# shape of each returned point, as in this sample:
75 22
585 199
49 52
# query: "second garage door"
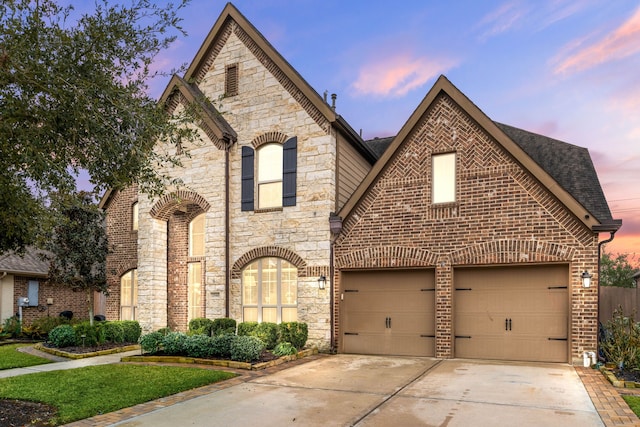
388 312
512 313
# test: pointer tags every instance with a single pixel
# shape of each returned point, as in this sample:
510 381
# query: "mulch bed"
14 413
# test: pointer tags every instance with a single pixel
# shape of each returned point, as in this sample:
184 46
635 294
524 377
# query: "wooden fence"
612 297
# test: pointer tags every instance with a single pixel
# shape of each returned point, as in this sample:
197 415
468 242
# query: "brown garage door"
388 312
512 313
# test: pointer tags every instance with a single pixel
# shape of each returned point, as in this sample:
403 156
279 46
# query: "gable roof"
547 159
310 98
29 264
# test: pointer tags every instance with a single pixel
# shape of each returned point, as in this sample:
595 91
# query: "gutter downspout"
227 227
600 244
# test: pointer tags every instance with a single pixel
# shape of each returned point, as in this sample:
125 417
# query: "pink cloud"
501 20
622 42
396 76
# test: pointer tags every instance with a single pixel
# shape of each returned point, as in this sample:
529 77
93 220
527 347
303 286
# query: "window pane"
125 289
126 313
289 284
269 281
128 295
194 297
134 214
250 285
289 314
444 178
196 236
270 163
270 195
250 314
270 314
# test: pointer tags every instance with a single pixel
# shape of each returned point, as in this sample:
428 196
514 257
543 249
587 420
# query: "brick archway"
269 251
169 203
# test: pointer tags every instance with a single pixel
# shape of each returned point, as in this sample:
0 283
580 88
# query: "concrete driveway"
352 390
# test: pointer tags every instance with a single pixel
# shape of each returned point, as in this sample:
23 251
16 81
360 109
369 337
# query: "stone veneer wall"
502 216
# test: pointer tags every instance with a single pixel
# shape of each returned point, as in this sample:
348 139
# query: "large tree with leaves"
77 245
615 270
73 96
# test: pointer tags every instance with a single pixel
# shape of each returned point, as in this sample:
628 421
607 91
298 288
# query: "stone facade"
502 216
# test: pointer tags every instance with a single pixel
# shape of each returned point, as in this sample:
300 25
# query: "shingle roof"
568 164
29 264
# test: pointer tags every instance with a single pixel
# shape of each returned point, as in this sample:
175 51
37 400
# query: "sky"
567 69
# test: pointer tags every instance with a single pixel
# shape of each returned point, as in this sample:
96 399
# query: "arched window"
270 176
270 291
195 301
129 295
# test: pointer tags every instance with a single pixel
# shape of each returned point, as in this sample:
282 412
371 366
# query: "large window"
270 176
129 295
134 216
270 291
195 302
196 236
444 178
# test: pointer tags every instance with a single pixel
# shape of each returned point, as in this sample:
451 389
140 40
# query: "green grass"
85 392
634 403
11 358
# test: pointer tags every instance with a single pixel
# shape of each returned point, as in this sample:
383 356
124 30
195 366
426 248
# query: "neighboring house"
26 277
467 238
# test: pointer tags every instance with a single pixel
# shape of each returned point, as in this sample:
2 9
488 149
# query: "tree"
615 270
77 246
73 97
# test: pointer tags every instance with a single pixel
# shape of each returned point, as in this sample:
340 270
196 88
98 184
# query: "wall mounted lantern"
322 282
586 279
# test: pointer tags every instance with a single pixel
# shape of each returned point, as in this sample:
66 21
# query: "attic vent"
231 80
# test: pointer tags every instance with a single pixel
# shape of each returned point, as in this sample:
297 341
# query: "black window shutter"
289 166
247 178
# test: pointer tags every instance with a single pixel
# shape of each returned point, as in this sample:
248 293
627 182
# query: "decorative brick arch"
269 251
387 256
169 203
125 266
269 137
512 251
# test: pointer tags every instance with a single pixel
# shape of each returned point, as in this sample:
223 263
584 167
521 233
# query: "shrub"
113 331
132 330
284 349
152 343
12 327
87 334
621 341
200 325
221 345
295 333
62 336
173 343
268 333
43 325
223 326
198 346
246 349
246 328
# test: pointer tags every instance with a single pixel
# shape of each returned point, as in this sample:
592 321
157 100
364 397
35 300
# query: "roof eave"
610 226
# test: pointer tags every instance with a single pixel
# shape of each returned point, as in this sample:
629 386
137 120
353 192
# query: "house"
466 238
25 276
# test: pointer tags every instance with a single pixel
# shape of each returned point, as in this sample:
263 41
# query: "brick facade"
502 216
62 298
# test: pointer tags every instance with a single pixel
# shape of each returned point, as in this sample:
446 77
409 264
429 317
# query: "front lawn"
634 403
85 392
11 358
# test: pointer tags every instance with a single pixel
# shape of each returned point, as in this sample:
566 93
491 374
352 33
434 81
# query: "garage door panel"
512 313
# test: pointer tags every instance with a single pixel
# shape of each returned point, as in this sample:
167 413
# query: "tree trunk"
90 303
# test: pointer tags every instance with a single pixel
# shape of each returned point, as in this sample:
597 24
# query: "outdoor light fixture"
586 279
322 282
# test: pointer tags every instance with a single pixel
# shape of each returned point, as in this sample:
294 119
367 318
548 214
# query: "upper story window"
273 173
231 80
196 236
443 182
134 216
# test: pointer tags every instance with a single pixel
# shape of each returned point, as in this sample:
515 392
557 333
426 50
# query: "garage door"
513 313
388 312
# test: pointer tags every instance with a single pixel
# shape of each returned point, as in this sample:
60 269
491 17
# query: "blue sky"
569 69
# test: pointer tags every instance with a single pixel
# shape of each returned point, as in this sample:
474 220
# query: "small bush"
246 328
87 334
223 326
62 336
221 346
12 327
268 333
200 326
246 349
198 346
284 349
113 331
621 341
295 333
152 343
173 343
43 325
132 330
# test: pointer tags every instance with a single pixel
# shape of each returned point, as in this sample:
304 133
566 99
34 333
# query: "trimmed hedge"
223 326
63 336
174 343
199 346
152 343
246 328
268 333
200 325
295 333
119 331
246 349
